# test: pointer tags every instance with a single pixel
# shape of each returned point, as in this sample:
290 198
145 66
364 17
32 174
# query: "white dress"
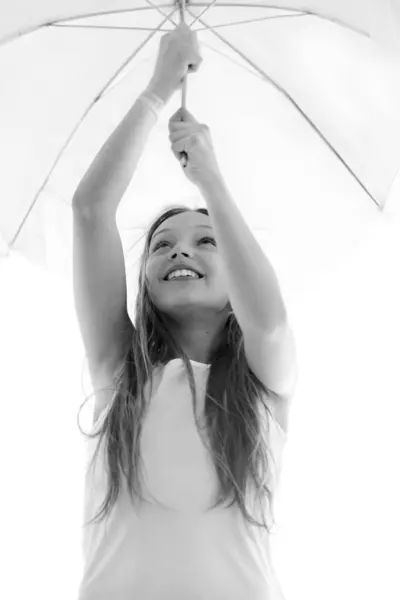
169 546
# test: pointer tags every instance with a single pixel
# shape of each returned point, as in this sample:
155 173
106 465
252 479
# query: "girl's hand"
179 54
193 138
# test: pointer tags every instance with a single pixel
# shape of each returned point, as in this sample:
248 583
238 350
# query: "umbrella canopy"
302 107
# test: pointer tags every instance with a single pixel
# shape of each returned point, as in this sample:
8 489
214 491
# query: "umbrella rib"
230 24
108 27
222 5
88 109
31 29
288 96
306 12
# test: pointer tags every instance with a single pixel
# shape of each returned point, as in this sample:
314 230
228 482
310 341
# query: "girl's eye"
204 238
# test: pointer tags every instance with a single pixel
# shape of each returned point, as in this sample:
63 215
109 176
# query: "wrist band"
152 101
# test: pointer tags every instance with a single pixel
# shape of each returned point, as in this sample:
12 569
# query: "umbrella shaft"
182 4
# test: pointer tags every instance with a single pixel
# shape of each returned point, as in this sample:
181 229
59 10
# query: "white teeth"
182 273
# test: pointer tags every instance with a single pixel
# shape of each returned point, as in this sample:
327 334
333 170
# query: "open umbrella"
303 108
302 99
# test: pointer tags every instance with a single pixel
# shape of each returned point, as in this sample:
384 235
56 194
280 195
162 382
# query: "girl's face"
188 238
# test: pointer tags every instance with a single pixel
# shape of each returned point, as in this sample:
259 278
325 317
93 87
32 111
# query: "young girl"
182 476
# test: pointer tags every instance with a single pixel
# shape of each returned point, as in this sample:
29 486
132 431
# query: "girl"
190 443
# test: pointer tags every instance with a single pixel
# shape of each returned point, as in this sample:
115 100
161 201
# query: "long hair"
235 411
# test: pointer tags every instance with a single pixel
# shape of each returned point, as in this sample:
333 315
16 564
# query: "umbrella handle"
183 155
184 160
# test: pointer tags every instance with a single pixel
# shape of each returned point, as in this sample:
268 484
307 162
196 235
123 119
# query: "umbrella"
301 98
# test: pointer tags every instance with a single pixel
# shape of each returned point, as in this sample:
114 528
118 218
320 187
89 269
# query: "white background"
338 519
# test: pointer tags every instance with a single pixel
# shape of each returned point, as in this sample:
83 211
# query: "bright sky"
339 494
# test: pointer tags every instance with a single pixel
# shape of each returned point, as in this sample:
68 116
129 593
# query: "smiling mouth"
183 278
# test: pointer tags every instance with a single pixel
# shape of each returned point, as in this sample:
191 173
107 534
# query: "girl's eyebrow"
169 229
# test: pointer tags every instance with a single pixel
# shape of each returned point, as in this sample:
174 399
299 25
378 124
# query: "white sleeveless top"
169 546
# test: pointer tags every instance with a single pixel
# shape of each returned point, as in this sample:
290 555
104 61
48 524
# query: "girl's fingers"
182 133
176 137
179 126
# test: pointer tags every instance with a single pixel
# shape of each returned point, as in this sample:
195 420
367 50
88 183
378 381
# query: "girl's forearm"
109 175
